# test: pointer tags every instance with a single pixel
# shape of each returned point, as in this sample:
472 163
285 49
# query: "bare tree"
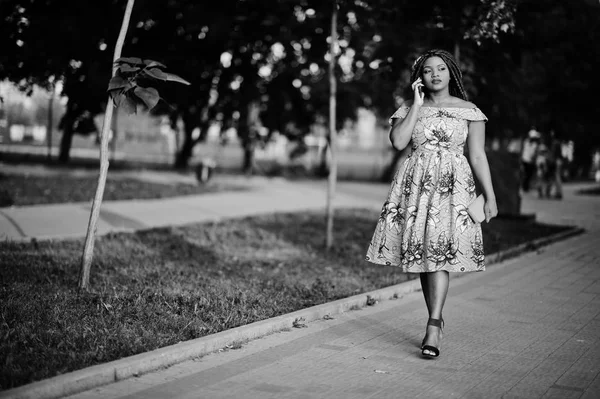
332 130
88 249
50 124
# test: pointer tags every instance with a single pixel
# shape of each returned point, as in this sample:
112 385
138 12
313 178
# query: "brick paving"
526 328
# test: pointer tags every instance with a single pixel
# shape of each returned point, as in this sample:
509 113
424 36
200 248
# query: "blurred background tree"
260 65
43 42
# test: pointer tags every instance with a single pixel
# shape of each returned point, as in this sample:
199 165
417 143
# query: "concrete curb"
95 376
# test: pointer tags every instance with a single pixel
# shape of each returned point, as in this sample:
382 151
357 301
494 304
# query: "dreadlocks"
456 84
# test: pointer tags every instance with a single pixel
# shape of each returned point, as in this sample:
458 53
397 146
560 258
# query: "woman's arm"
481 167
401 131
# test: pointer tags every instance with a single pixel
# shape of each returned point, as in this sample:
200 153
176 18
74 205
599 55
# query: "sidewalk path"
263 195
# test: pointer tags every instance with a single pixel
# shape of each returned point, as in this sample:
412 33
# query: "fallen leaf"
298 323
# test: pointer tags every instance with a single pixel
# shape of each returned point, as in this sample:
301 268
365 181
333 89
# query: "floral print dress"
424 225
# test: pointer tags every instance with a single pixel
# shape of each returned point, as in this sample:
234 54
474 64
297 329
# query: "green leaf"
117 82
149 95
156 73
130 60
152 63
114 94
126 68
117 97
174 78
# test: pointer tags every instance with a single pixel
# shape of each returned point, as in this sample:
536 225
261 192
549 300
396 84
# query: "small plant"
299 323
132 80
328 317
354 307
129 84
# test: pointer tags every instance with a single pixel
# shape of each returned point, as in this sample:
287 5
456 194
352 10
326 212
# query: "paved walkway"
526 328
262 195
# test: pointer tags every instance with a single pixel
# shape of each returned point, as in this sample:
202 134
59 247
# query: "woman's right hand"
490 209
418 91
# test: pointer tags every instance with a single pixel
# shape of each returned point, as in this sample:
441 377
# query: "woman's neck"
439 98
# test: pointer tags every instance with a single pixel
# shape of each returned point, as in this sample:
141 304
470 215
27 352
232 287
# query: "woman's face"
436 75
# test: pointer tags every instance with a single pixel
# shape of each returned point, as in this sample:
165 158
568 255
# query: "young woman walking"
424 226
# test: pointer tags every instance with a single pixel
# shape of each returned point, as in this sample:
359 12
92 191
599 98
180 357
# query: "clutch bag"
475 209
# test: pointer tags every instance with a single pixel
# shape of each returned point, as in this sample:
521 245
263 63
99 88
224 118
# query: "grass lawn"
157 287
58 189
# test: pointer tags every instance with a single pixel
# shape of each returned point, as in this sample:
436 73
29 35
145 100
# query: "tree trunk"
50 125
248 139
457 51
249 158
332 131
67 137
323 169
115 134
174 123
390 170
397 160
457 31
88 249
185 153
204 126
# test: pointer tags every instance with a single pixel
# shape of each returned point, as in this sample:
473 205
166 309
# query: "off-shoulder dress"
424 225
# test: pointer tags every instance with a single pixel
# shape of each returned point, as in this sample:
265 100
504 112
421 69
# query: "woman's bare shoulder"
460 103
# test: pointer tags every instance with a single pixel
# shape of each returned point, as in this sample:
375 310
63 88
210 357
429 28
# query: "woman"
424 226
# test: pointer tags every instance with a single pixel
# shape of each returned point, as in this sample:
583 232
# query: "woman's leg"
428 294
425 289
437 285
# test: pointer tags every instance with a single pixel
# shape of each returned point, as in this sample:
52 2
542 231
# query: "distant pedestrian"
567 150
549 163
424 225
528 157
542 171
596 165
556 162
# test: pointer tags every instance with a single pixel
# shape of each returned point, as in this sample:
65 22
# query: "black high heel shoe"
435 352
441 328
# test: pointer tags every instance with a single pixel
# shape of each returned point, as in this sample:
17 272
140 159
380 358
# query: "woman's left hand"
491 209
